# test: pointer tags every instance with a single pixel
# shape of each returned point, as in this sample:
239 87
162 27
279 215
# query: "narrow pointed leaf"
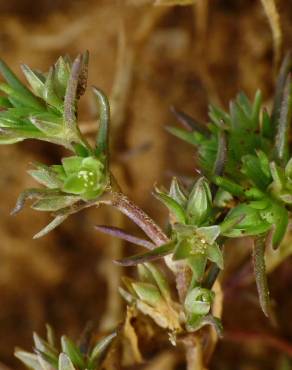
36 83
160 280
153 255
51 226
260 274
119 233
73 352
29 359
100 349
281 144
102 139
65 363
189 123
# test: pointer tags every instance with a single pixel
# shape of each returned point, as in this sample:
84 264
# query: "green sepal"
198 264
173 206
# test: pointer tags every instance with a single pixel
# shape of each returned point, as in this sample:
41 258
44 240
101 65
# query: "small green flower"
82 176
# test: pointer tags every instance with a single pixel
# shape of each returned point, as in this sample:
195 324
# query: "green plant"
245 191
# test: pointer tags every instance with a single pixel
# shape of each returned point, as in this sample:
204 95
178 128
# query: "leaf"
229 186
281 143
99 350
177 193
50 335
160 280
119 233
61 76
51 226
148 293
15 83
73 352
189 137
102 138
260 274
26 99
65 363
256 107
49 93
54 203
71 95
155 254
175 208
34 79
29 194
44 176
29 359
189 123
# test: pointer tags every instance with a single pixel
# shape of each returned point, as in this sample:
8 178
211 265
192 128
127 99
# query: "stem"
138 216
194 353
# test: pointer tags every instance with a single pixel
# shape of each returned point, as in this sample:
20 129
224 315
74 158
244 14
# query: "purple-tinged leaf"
119 233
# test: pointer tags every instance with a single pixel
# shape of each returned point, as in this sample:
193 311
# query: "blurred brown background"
146 58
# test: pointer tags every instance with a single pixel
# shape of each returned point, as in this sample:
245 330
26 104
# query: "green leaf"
73 352
189 137
256 107
260 274
160 280
49 93
26 99
44 176
155 254
229 186
99 350
61 77
175 208
177 193
15 83
148 293
29 359
54 203
281 143
102 139
65 363
34 79
51 226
